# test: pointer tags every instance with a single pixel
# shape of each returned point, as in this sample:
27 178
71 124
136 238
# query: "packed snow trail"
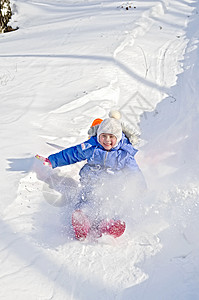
67 64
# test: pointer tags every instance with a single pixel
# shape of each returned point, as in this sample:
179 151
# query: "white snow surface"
67 64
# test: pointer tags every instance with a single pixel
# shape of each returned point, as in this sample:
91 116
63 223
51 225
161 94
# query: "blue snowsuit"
117 159
102 166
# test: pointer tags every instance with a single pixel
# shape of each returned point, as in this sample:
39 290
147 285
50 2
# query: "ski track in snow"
138 72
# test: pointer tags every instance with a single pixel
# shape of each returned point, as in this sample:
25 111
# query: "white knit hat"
111 125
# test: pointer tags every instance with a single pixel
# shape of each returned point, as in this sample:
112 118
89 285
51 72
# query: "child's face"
108 141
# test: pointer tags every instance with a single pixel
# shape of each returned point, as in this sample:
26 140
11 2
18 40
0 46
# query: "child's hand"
45 160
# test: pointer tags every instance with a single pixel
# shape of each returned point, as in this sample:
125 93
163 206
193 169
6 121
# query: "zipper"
105 158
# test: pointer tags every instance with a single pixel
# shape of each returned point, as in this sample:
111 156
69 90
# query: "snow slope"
70 62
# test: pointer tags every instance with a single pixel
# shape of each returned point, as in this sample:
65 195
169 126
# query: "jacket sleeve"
135 175
132 164
70 155
129 162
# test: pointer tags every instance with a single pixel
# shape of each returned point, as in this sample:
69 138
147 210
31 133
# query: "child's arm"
70 155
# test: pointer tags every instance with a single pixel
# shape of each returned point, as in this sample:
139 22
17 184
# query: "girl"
110 159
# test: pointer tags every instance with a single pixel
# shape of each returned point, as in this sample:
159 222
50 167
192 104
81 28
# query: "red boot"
111 227
81 224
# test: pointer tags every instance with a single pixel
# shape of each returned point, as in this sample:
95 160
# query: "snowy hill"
71 62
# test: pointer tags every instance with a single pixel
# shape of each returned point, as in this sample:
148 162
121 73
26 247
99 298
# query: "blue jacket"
117 159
